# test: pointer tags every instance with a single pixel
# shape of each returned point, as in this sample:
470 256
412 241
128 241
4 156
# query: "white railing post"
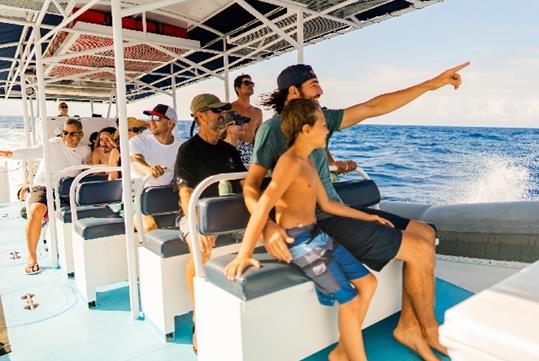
45 139
124 145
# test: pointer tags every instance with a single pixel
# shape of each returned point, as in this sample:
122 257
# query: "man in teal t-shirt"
410 241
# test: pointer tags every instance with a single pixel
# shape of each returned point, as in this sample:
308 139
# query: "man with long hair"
375 245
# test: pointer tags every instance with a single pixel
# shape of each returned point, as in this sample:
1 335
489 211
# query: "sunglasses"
65 133
63 106
213 110
136 130
155 118
248 83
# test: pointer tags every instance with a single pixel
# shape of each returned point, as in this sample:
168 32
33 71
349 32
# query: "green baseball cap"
208 101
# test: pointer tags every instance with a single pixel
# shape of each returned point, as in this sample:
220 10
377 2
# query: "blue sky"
500 88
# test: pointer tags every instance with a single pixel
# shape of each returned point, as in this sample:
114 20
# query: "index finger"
459 67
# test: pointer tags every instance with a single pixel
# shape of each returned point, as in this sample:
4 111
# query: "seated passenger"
64 152
294 191
204 155
235 130
62 109
105 144
135 127
151 153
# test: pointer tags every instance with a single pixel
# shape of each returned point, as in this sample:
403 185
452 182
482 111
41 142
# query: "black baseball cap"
295 75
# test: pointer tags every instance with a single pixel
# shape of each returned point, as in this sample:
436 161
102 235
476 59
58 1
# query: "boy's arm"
329 206
284 173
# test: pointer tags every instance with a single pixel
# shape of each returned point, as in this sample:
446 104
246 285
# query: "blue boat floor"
62 327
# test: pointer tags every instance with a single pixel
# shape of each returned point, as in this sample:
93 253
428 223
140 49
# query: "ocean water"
435 165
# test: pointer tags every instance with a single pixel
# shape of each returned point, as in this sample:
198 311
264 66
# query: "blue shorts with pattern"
329 265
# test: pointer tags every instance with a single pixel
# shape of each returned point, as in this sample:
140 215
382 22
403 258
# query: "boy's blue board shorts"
329 265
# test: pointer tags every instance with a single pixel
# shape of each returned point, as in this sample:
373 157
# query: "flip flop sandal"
32 269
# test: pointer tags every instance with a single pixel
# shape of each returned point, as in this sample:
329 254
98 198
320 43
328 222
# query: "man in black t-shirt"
204 155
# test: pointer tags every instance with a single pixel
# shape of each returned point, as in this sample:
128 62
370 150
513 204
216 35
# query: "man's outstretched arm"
386 103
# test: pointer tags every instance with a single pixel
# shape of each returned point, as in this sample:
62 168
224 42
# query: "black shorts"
371 243
38 195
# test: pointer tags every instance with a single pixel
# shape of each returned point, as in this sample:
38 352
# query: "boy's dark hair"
295 115
75 122
238 80
110 130
275 100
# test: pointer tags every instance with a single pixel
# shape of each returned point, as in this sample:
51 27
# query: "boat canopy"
167 43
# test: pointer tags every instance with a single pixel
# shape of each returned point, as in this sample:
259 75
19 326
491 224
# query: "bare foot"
433 339
414 340
337 354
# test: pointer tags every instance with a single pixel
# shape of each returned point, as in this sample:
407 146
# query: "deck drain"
14 255
35 303
30 305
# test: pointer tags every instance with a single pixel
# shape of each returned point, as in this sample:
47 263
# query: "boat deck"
61 327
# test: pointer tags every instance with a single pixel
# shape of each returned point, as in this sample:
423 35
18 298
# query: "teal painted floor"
63 328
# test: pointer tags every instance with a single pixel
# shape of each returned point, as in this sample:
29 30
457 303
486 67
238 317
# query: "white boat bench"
272 313
99 249
163 261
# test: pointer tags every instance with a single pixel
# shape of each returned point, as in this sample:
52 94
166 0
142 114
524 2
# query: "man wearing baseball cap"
152 153
375 245
204 155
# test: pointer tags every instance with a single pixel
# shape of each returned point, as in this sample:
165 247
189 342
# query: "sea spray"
489 178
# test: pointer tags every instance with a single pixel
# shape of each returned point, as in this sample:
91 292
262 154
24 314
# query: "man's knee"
416 249
37 210
423 230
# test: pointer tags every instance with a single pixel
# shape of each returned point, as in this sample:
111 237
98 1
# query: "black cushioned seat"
87 212
271 277
90 228
167 243
65 183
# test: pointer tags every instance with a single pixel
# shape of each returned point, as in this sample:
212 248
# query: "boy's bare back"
297 205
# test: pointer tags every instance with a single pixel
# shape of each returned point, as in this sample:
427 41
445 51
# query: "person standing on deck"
152 153
375 245
244 88
66 152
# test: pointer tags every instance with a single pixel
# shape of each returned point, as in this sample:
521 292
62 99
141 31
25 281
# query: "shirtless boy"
295 190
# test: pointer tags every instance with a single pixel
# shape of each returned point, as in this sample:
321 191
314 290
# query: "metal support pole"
110 103
45 139
300 37
126 172
28 165
32 118
226 78
174 102
91 107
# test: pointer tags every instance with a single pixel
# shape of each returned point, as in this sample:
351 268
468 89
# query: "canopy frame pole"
26 121
300 37
126 172
45 140
174 101
226 77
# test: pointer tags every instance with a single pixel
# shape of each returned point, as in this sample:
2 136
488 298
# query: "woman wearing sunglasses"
135 127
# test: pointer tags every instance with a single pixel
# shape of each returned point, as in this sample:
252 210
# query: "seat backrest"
161 202
225 214
358 193
65 183
158 200
99 192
